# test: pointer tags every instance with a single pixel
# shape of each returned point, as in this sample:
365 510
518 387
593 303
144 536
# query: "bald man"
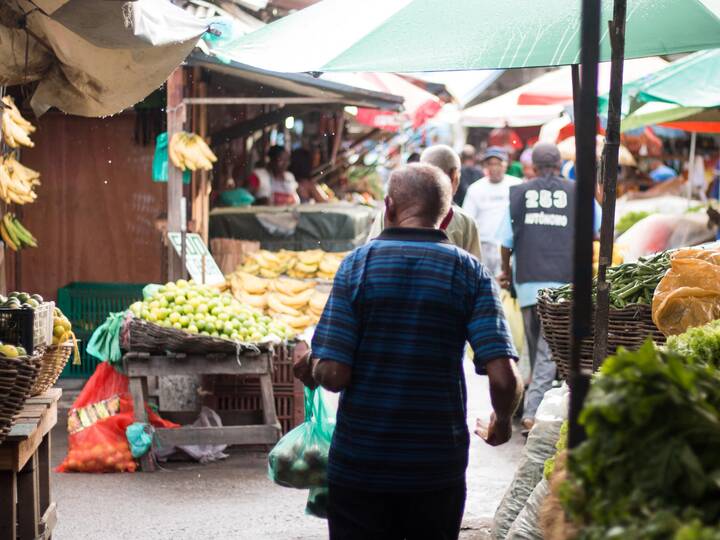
459 226
391 339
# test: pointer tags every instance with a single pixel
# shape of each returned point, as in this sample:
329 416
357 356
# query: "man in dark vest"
538 232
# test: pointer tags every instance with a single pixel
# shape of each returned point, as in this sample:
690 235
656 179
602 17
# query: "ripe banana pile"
17 182
190 151
312 264
296 303
14 234
16 130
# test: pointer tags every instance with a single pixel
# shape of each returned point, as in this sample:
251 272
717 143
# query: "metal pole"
575 73
586 125
609 182
691 165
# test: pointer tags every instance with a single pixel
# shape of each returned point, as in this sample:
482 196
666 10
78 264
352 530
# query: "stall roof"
298 84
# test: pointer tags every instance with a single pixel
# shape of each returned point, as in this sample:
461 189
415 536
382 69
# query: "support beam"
586 126
175 122
262 101
610 168
248 127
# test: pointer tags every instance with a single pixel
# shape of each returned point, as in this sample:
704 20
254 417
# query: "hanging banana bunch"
16 130
17 182
189 151
14 234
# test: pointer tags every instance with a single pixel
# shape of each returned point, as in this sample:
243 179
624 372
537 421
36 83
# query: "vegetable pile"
630 283
628 220
649 469
700 345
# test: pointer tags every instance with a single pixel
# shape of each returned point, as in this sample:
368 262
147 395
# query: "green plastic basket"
87 305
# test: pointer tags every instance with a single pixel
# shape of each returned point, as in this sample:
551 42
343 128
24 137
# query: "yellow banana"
296 301
259 301
305 268
16 116
311 257
173 151
318 300
329 265
296 321
275 304
253 284
16 132
7 132
291 286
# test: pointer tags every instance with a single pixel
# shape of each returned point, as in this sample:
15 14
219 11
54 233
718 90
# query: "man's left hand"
497 432
302 366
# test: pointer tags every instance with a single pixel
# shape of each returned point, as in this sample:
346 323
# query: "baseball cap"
495 152
546 153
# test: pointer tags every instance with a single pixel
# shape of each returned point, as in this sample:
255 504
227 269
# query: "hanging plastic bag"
204 453
97 425
160 161
689 294
104 343
299 460
511 307
540 446
317 503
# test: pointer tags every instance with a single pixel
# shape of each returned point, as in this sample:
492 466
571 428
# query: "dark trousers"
360 515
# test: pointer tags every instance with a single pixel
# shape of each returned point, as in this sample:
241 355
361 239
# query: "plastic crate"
289 405
87 305
29 328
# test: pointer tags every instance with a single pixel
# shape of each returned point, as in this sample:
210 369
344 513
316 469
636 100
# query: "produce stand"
26 508
139 366
332 226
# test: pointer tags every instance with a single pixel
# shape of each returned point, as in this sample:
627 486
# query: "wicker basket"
27 369
143 336
628 327
51 365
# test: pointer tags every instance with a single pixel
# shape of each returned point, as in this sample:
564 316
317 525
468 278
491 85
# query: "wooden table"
26 510
140 366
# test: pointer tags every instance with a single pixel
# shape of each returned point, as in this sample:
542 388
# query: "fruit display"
189 151
16 130
204 310
297 303
103 457
17 182
11 351
62 328
18 300
14 234
311 264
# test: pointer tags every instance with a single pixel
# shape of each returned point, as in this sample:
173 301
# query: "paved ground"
234 499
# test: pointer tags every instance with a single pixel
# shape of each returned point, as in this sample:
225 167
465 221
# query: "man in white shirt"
487 201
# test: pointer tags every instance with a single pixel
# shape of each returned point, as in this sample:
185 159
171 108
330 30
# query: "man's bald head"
446 159
419 195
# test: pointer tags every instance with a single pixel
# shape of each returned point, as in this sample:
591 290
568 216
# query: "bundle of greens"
628 220
649 469
630 283
700 344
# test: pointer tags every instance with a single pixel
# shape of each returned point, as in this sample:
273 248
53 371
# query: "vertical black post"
610 160
586 124
575 72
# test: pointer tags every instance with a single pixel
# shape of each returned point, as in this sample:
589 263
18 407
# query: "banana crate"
27 327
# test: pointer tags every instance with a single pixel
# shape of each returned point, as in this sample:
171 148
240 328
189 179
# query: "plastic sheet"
527 525
540 446
689 294
660 232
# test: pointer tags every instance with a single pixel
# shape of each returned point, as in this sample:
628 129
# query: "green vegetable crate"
87 305
628 327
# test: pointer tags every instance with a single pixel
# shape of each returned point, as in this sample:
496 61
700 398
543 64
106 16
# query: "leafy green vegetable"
700 344
628 220
559 446
650 467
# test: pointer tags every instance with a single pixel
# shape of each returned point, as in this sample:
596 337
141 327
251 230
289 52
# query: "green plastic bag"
104 344
160 161
236 197
299 460
317 503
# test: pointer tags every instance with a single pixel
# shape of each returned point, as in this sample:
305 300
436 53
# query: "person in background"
659 172
469 172
457 224
515 166
301 168
273 184
399 453
527 164
486 202
537 229
413 158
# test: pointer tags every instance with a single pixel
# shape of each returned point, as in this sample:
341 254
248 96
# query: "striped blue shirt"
401 309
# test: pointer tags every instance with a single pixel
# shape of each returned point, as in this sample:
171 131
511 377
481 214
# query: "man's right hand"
497 432
302 367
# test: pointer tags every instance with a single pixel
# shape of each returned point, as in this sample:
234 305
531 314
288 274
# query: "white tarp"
95 57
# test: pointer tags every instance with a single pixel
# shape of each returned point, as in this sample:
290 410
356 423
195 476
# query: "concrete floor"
235 499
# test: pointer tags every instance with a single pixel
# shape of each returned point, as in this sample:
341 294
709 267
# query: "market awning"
427 35
419 105
505 111
555 87
288 85
464 86
93 57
